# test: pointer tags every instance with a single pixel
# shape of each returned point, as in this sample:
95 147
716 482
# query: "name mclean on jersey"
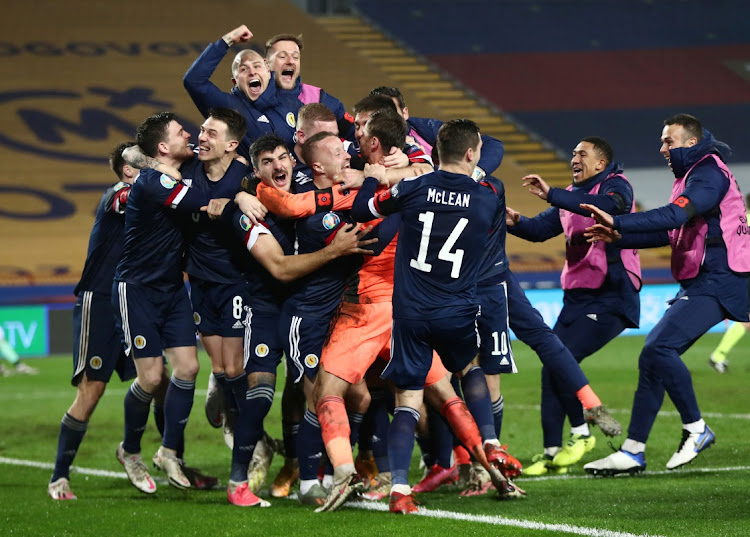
448 198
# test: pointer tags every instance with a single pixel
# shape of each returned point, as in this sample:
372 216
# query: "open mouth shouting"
255 87
288 75
281 178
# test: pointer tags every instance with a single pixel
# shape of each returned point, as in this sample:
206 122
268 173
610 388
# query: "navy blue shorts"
455 339
154 320
219 308
98 348
303 343
263 343
495 351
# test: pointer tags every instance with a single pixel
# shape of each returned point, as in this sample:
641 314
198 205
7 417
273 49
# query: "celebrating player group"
367 250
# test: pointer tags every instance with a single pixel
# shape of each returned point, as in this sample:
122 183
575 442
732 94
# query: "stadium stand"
565 69
73 85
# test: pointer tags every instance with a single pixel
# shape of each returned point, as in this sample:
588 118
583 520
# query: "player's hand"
348 241
377 171
241 34
215 207
512 217
536 186
598 232
350 179
396 159
243 160
251 207
600 216
410 140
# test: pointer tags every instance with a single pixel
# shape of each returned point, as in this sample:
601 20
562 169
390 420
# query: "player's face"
284 59
177 142
252 76
674 137
332 156
275 168
586 162
359 125
212 140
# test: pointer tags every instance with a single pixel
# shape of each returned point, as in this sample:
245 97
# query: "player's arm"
705 189
172 194
288 205
396 175
251 206
116 197
347 240
540 228
368 205
135 157
197 80
384 232
615 197
492 148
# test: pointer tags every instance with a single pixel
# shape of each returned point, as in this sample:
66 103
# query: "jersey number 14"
446 254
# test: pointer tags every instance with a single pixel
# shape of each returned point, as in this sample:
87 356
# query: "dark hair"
390 92
690 123
235 122
264 144
603 149
116 162
312 143
315 112
284 37
454 138
153 131
375 103
389 128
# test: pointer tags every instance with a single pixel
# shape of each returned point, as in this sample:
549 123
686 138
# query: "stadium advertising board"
26 329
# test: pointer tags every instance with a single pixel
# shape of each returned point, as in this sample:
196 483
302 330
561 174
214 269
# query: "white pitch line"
51 466
710 415
647 473
504 521
438 513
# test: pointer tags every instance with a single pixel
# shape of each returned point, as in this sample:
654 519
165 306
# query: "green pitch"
709 497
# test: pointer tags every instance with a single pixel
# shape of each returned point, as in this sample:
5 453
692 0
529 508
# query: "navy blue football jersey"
496 260
319 293
447 221
264 288
105 242
212 254
154 242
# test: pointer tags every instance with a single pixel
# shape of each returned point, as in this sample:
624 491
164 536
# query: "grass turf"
709 497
